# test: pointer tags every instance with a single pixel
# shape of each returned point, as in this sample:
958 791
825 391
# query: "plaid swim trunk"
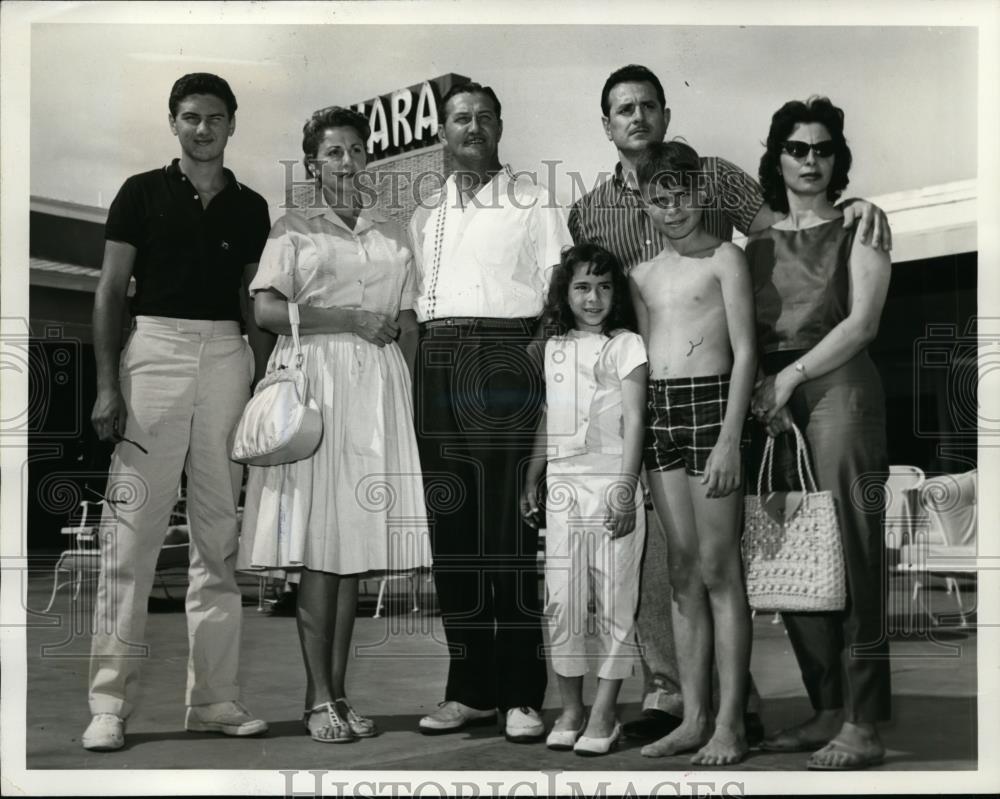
684 420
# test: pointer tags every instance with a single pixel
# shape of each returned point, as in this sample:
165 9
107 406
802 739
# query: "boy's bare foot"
854 747
725 748
808 736
690 735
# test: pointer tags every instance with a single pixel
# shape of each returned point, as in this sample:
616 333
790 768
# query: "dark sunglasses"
800 149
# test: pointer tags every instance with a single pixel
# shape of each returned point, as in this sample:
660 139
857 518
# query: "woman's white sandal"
334 731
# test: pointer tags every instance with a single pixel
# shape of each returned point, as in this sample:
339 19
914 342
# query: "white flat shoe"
563 740
592 747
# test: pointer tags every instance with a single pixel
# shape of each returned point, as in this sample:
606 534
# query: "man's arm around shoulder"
873 224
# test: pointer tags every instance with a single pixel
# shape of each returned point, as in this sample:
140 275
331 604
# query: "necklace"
438 246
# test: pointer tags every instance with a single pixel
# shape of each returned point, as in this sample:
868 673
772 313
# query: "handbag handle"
801 459
293 320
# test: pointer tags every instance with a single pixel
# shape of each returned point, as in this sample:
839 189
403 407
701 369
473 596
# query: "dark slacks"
843 655
479 392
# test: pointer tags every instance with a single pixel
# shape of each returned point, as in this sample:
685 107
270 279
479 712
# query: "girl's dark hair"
815 109
559 318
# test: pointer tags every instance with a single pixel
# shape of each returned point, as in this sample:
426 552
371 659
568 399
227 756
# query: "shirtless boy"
695 311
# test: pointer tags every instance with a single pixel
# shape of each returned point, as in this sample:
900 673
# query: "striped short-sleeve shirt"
612 214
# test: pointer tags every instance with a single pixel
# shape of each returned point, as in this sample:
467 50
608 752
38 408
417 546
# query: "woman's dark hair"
333 116
201 83
558 318
815 109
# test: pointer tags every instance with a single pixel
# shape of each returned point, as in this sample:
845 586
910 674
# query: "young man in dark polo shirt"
191 236
633 106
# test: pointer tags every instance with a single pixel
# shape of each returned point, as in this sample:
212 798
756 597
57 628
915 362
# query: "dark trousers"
844 655
479 392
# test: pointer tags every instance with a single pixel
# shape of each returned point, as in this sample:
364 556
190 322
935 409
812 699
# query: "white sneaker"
524 725
229 718
453 716
105 733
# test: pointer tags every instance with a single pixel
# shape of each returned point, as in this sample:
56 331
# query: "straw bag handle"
801 459
293 320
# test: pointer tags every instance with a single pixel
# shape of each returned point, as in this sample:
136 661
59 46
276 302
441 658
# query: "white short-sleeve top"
313 258
583 386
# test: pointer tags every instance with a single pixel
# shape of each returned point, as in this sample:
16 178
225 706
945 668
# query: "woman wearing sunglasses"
819 293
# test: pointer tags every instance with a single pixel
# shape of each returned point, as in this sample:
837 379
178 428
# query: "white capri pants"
185 383
582 559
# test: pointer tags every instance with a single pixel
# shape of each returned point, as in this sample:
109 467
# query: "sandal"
334 731
361 726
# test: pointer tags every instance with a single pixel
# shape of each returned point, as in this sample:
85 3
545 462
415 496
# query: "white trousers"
581 559
185 383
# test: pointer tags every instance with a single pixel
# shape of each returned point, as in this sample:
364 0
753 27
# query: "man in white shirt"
483 246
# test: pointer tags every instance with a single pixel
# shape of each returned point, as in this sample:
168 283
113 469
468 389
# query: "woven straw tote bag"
792 553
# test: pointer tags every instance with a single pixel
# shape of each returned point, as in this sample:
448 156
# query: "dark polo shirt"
189 259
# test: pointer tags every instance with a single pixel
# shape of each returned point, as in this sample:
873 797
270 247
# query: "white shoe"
590 747
524 725
229 718
106 733
563 740
452 716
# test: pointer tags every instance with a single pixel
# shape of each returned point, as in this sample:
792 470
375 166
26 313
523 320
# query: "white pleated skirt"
357 504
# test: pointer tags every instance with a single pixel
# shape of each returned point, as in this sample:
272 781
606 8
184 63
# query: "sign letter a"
427 113
380 129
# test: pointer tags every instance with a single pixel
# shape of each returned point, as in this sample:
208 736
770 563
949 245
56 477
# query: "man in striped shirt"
635 115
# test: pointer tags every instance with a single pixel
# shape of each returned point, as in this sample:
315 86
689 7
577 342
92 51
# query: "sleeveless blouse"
800 283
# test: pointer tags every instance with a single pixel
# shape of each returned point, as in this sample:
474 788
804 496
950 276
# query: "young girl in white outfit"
591 436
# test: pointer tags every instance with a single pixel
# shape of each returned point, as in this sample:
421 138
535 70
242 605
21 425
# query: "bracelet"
801 369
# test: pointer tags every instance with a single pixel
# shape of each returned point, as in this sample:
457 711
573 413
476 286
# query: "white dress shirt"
488 255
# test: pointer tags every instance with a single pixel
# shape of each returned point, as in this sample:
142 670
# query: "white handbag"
792 553
281 423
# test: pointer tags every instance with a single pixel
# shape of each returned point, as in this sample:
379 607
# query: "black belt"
524 323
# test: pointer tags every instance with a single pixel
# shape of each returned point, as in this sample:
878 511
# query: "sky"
98 108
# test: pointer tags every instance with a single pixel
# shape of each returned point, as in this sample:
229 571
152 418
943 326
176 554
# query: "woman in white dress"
357 504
